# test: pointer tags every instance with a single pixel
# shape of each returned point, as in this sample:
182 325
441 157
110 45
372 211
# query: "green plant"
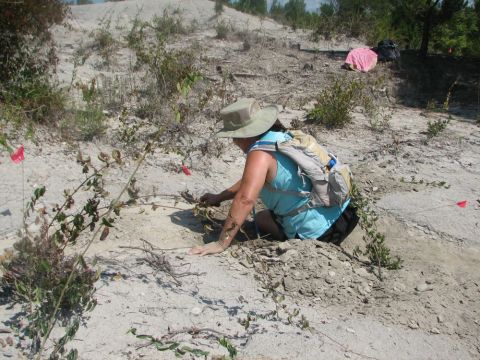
41 275
128 129
335 103
104 42
170 23
222 29
25 37
27 100
436 127
413 180
90 123
232 350
175 346
379 119
376 250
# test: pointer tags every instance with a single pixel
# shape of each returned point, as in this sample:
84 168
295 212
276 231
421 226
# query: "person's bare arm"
217 199
254 175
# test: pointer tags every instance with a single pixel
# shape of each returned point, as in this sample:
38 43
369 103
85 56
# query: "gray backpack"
331 180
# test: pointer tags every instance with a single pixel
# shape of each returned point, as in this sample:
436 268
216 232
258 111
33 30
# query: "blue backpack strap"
263 145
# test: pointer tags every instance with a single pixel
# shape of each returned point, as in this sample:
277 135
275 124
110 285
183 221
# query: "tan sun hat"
245 118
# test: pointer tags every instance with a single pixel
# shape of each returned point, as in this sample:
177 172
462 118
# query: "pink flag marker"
18 155
462 203
186 171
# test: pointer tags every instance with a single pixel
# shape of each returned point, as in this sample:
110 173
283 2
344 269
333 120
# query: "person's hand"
210 199
212 248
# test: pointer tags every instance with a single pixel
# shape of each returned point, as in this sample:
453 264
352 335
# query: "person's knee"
263 219
268 226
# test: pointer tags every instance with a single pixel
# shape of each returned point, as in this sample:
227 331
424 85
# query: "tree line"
429 26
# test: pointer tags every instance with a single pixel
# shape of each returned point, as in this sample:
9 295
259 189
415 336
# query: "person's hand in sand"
211 199
212 248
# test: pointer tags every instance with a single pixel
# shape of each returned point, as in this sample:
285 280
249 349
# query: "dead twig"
343 347
192 331
160 263
248 75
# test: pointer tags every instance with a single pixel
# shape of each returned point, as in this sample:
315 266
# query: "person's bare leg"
267 225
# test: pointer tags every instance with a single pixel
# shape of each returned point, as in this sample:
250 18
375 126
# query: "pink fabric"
362 59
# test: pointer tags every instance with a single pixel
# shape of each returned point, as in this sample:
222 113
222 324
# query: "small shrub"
376 250
31 99
170 23
335 103
436 127
25 34
105 44
136 34
222 29
90 123
379 118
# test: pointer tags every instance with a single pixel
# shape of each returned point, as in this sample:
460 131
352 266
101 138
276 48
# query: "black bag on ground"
387 50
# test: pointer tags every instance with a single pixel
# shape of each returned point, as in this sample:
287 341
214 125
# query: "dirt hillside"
291 300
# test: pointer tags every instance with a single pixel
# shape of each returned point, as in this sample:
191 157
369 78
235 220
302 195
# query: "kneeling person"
275 178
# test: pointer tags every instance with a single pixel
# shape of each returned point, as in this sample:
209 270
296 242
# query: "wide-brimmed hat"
245 118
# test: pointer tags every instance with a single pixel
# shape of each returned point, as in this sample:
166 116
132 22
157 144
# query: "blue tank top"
309 224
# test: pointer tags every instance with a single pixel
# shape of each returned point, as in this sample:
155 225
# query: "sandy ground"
429 309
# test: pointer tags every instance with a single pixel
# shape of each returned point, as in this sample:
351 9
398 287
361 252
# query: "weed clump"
376 250
222 29
105 44
435 128
335 103
170 23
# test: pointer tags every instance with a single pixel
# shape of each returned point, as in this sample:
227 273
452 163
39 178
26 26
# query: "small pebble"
196 311
440 319
350 330
413 325
421 287
435 331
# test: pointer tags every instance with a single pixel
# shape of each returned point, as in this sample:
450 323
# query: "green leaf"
60 217
45 265
72 354
21 288
39 192
82 261
163 347
106 222
117 156
78 221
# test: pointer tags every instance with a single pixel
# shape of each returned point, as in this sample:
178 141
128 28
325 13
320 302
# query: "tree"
257 7
295 12
277 11
21 22
427 14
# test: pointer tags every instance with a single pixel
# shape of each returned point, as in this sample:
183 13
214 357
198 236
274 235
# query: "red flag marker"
186 171
462 204
18 155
